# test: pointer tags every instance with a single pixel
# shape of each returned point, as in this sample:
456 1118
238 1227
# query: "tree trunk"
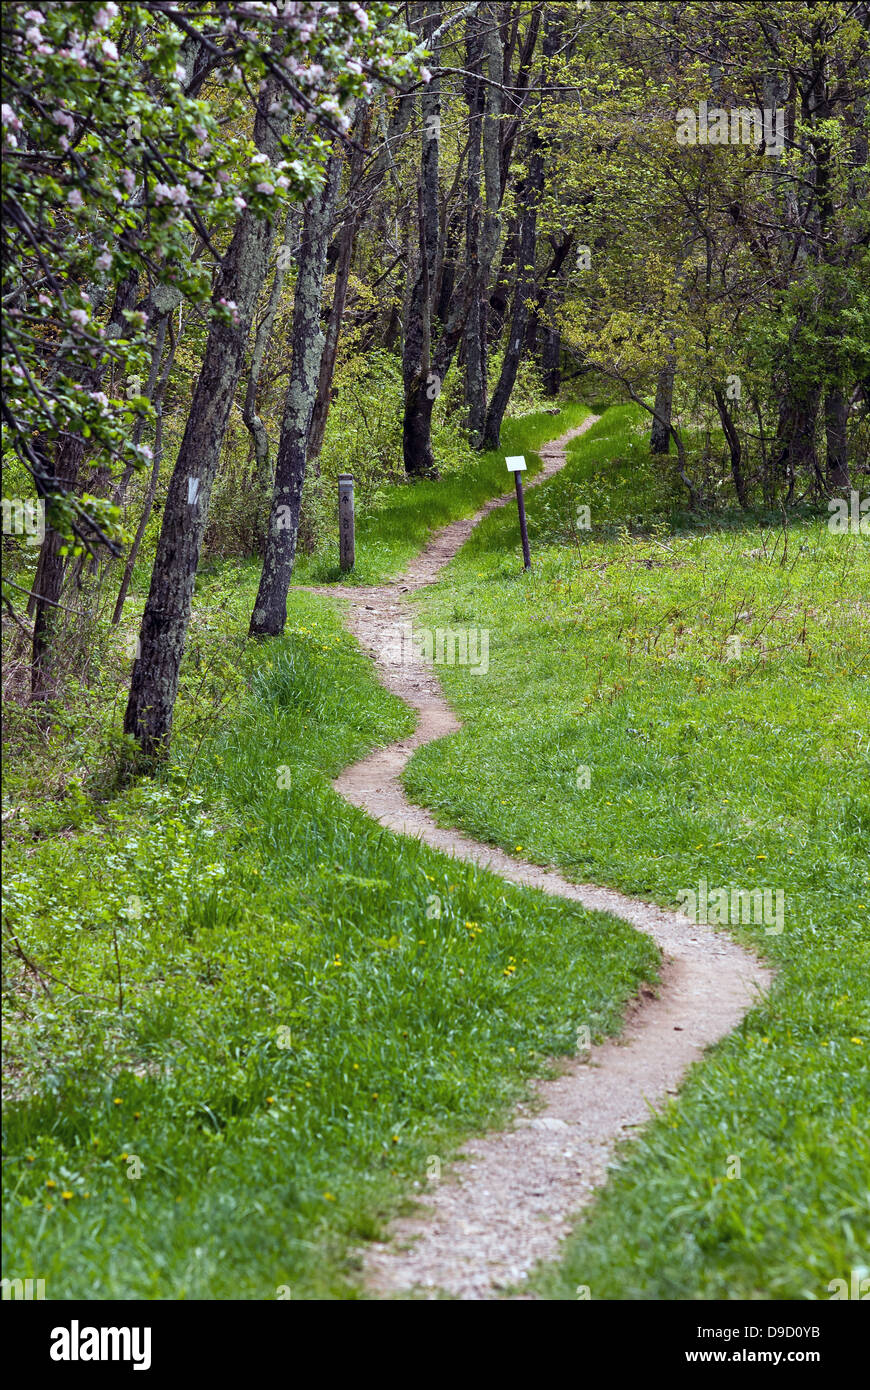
420 387
50 570
525 282
346 239
48 584
795 447
682 473
163 635
734 449
270 608
157 401
551 361
250 415
660 434
475 96
528 238
836 434
159 317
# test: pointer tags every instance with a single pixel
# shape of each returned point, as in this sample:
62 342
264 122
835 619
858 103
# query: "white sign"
516 463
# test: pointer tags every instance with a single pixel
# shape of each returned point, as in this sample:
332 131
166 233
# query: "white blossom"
104 16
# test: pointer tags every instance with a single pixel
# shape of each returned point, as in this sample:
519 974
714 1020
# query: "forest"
436 643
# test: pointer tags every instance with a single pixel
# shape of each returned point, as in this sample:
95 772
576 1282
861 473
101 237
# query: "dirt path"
510 1202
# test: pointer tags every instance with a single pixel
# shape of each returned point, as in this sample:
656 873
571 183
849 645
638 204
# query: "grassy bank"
391 534
622 734
240 1018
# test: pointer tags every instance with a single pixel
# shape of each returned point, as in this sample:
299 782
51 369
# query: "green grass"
300 1034
390 535
613 656
235 980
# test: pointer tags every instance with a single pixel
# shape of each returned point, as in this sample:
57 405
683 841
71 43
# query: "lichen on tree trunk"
163 634
270 608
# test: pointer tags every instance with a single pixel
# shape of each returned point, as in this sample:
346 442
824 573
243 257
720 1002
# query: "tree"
163 634
270 608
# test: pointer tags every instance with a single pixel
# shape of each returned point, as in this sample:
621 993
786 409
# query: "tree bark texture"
270 608
163 635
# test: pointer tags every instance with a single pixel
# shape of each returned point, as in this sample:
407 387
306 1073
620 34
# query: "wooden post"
517 465
346 546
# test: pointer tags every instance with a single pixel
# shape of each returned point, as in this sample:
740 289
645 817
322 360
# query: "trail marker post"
517 465
346 546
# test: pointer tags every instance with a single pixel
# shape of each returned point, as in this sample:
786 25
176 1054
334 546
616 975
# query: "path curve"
511 1201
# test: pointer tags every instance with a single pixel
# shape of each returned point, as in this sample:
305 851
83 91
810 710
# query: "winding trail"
511 1200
